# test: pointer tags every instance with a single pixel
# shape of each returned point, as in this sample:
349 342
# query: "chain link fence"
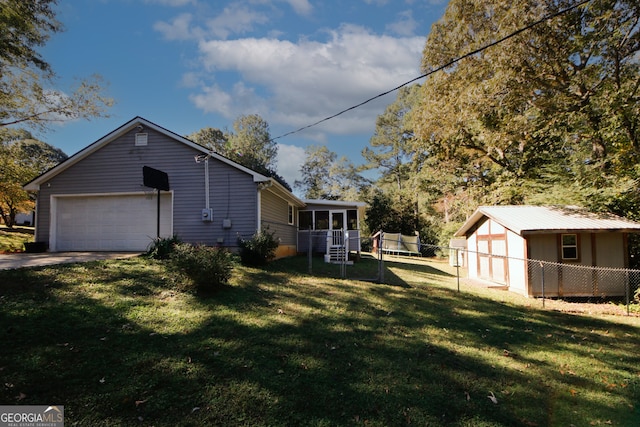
547 279
533 278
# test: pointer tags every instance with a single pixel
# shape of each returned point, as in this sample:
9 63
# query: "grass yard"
13 239
116 344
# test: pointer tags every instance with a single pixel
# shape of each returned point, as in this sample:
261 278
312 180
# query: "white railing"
337 246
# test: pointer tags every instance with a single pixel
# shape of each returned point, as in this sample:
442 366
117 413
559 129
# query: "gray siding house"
96 200
502 241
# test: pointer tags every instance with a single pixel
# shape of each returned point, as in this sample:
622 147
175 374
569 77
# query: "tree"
391 148
212 138
27 82
22 158
326 177
316 181
250 145
554 108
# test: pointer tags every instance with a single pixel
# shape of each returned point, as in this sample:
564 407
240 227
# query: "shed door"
490 266
109 223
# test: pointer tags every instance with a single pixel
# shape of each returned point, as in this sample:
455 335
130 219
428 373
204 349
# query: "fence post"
542 267
309 252
458 268
627 290
343 257
380 260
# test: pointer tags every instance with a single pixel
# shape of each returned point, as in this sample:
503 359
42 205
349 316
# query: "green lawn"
13 239
116 344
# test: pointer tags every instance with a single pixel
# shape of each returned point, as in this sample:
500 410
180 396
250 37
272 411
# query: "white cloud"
180 28
235 19
405 25
298 83
301 7
290 158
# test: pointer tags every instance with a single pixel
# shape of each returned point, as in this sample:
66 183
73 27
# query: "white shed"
501 240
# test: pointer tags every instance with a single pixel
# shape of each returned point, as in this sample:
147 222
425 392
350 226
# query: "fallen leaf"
102 380
492 397
21 396
466 393
197 408
140 402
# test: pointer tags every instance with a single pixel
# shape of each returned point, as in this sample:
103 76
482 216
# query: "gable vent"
141 139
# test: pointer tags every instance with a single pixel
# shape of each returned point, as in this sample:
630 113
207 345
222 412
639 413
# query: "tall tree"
391 147
554 107
249 144
22 158
27 81
212 138
315 171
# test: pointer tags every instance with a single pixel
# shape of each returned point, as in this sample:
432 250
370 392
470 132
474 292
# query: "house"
142 181
324 224
502 241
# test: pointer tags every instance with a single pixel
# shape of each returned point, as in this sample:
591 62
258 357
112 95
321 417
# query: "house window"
570 246
352 219
322 220
291 211
305 220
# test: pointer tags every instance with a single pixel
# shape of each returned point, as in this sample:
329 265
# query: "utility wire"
448 64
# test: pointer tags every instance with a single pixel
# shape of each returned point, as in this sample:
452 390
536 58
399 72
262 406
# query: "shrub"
207 268
162 247
259 249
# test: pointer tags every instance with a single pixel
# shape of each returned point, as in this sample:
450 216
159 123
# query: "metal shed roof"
540 219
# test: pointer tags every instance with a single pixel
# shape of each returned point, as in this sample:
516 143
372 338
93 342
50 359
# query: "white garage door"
109 223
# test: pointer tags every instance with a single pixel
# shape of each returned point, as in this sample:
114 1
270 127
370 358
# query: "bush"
258 250
207 268
162 247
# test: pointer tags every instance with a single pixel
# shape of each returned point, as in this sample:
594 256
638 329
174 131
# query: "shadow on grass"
108 341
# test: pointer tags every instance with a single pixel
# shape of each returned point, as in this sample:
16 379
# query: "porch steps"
337 254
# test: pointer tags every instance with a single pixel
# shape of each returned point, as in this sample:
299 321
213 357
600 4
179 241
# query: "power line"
448 64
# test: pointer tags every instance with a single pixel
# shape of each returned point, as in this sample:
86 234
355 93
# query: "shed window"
570 246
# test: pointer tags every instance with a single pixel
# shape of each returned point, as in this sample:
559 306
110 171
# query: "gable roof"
34 184
544 219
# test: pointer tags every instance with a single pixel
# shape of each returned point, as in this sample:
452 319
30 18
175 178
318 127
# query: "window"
352 219
327 220
291 217
305 220
570 246
322 220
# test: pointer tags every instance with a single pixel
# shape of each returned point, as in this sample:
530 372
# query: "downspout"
259 210
206 183
261 186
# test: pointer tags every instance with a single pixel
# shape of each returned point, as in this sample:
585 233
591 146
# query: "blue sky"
190 64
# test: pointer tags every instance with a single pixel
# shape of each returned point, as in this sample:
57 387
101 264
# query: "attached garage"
109 222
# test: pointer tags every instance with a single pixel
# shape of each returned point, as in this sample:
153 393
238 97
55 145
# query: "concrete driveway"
19 260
